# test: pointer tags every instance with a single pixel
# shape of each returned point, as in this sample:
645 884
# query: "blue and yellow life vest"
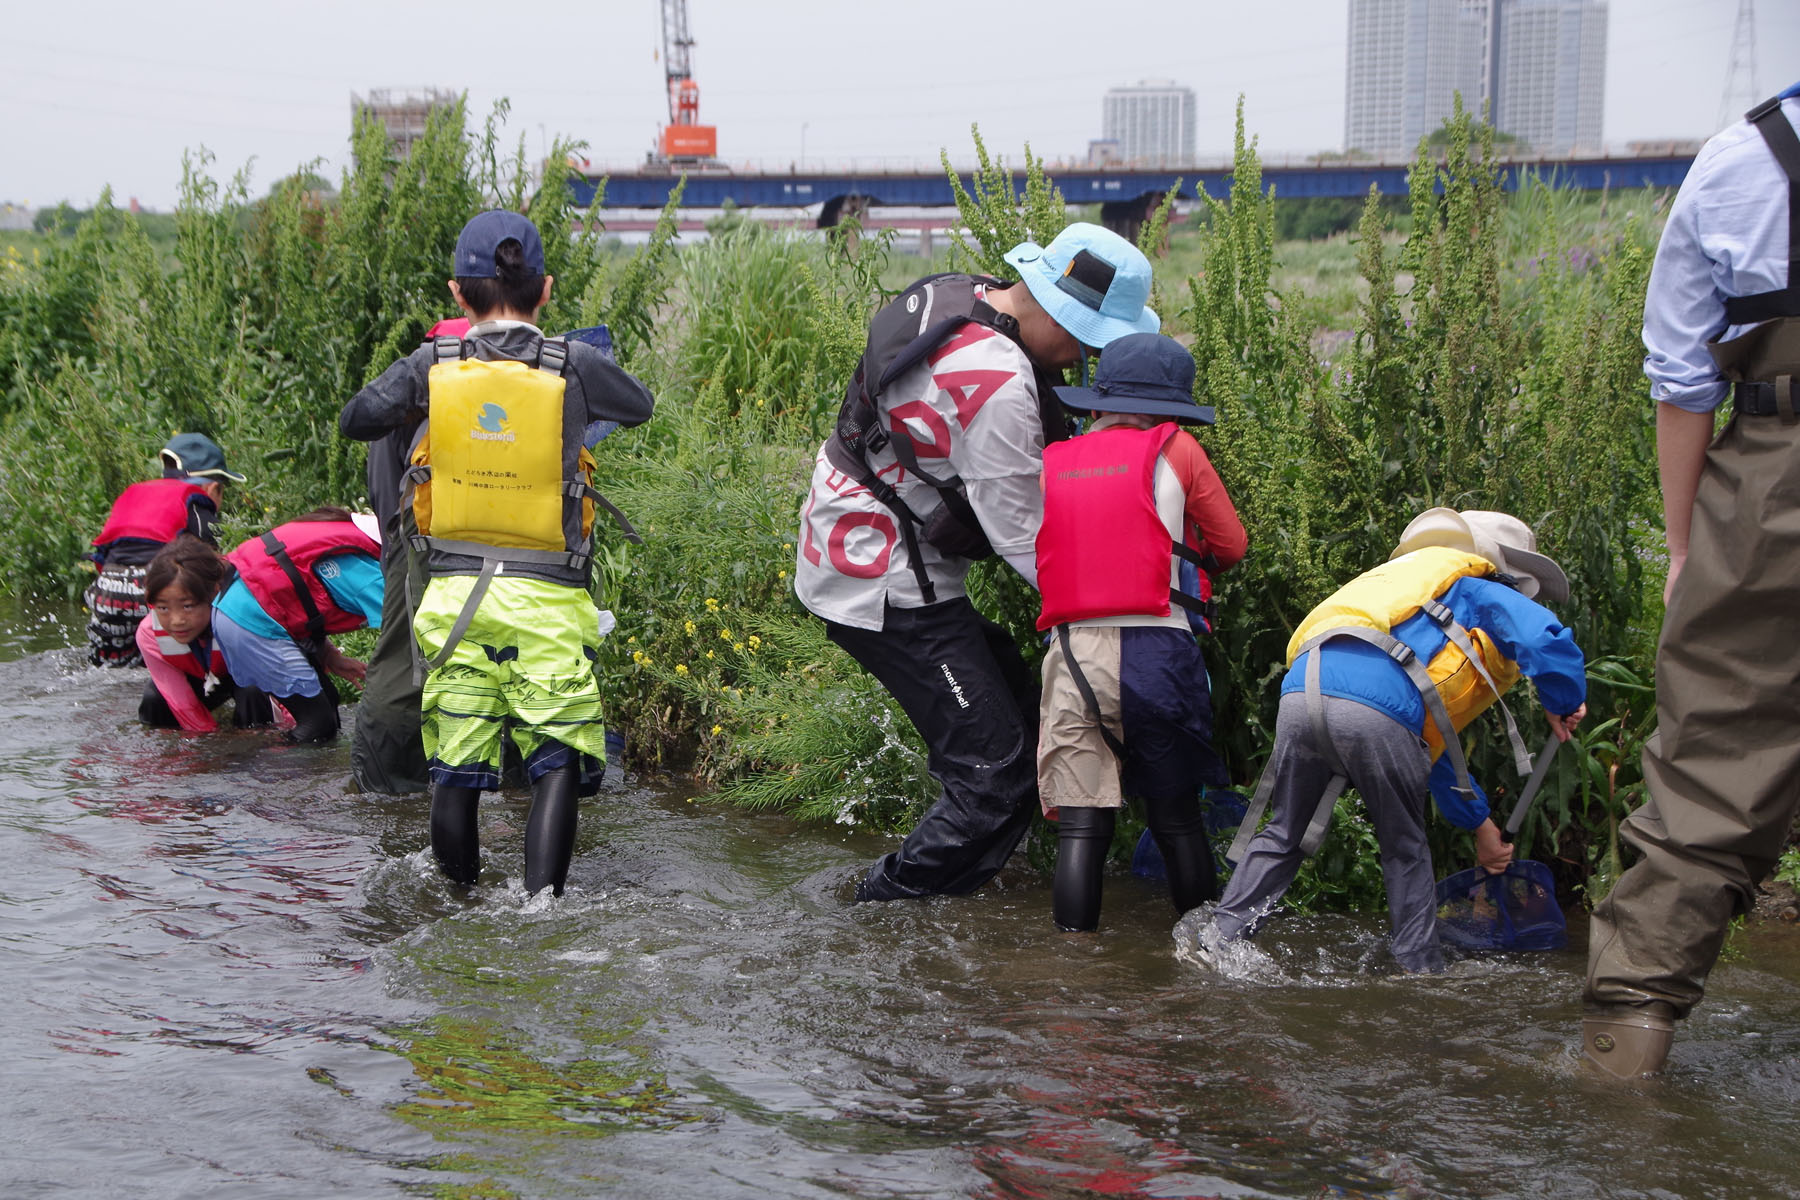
498 467
499 470
1384 597
1462 679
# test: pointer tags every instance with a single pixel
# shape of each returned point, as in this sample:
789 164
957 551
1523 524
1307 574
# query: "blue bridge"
1125 195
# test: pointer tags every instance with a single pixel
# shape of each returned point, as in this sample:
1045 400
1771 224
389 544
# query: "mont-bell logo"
492 422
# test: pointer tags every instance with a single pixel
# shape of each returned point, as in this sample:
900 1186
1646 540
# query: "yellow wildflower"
781 575
712 605
718 729
755 642
709 654
688 625
681 668
738 646
724 635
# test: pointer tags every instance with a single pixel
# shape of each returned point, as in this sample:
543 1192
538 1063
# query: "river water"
222 975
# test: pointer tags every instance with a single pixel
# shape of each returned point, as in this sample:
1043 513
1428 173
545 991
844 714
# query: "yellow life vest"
1387 595
499 464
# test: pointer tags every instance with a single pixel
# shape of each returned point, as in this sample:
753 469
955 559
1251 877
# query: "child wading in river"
146 517
501 490
1126 706
188 674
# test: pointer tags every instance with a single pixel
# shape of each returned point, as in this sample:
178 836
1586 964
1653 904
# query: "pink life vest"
277 568
155 510
1103 550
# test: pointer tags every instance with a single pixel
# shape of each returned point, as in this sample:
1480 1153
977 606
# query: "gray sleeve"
610 392
395 398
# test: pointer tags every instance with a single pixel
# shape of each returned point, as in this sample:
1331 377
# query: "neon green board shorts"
525 666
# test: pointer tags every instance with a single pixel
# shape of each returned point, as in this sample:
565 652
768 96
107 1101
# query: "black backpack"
901 336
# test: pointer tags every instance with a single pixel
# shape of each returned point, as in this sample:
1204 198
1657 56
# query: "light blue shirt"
352 579
1727 236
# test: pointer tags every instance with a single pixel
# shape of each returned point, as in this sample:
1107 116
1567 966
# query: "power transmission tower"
1741 92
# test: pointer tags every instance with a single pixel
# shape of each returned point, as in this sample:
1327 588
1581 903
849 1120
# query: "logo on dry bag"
493 425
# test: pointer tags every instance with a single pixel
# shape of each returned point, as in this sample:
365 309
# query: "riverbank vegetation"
1458 346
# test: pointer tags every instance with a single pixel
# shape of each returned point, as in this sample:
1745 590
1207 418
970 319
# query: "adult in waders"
1382 678
1722 319
387 750
934 464
146 517
500 487
1126 704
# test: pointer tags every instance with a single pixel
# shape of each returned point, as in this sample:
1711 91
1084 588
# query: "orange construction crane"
683 139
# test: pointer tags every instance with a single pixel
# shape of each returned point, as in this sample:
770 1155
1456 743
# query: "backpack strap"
1779 134
1446 621
1087 694
553 355
315 620
449 348
1403 656
587 491
489 569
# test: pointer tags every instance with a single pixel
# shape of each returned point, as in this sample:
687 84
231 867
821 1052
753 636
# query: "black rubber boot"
1083 836
455 840
1179 828
550 829
315 717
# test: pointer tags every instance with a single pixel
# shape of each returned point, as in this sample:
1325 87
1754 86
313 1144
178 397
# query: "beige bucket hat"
1499 537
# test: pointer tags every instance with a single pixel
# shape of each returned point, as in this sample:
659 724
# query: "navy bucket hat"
481 237
1091 281
1143 373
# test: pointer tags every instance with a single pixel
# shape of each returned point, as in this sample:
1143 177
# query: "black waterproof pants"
962 683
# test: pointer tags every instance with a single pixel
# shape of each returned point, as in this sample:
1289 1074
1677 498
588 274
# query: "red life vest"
155 510
1103 550
277 568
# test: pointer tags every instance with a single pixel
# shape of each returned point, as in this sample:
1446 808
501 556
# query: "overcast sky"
112 92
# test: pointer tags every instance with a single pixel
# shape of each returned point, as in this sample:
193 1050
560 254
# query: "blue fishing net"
1224 810
1514 910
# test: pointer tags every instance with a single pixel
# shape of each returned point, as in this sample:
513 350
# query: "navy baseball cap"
1147 373
481 237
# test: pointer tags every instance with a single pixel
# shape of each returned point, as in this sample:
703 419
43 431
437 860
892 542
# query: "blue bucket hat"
1091 281
475 245
196 456
1142 373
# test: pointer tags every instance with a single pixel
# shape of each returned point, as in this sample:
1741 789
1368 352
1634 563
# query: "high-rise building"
1551 64
404 111
1538 66
1152 122
1408 59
